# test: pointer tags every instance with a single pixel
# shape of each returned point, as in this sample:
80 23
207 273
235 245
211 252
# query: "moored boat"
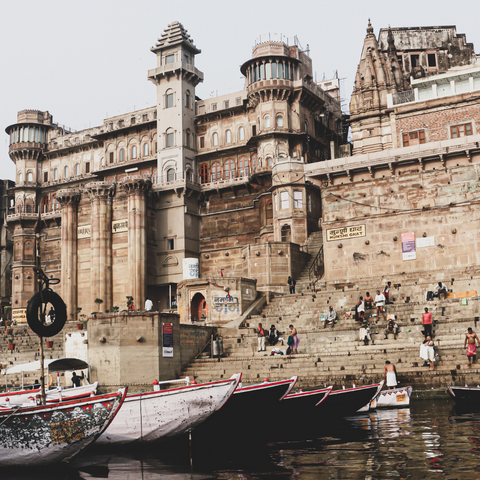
465 396
304 403
372 404
149 416
42 435
397 397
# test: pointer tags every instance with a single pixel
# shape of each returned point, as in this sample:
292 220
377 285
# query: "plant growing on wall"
115 309
98 301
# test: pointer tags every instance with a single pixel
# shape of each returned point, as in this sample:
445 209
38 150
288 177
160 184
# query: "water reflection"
431 439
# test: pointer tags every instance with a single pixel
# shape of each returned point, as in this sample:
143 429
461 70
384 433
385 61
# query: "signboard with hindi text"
120 226
344 233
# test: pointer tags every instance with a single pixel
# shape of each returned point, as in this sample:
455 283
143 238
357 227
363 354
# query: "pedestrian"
379 303
366 333
77 379
261 334
427 323
390 374
368 300
295 339
439 289
291 284
331 317
430 352
386 292
472 340
392 327
148 305
361 309
273 336
424 353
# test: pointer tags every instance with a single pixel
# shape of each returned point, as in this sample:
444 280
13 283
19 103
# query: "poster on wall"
167 339
408 246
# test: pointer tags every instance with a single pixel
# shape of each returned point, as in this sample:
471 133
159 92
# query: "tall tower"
176 78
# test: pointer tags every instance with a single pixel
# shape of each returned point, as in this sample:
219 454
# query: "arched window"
29 208
65 172
145 149
228 136
266 121
154 176
170 140
169 101
188 136
243 166
134 151
122 154
187 99
279 121
55 174
241 133
306 126
29 177
20 177
170 175
77 169
204 173
216 172
254 162
215 139
45 204
229 169
189 174
269 162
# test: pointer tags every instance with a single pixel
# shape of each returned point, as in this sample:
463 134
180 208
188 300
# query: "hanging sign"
408 246
167 339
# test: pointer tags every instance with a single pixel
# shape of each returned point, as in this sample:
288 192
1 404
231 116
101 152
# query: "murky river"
431 439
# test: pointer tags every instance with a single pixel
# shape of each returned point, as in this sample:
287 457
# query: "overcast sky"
87 59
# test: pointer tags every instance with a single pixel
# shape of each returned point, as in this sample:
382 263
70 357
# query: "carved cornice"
68 196
136 184
103 190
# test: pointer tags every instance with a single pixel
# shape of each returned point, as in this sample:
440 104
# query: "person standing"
295 339
424 353
361 310
261 334
291 284
77 379
331 317
148 305
472 340
427 323
379 303
386 292
368 300
430 352
390 374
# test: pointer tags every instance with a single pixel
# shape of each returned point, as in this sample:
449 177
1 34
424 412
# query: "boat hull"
465 396
44 435
397 397
150 416
303 403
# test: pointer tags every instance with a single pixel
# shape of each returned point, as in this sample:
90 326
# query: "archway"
198 308
286 233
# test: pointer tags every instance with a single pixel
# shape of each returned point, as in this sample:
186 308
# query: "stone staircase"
336 355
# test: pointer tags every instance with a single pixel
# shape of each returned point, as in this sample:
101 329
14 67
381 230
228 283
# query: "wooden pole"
42 370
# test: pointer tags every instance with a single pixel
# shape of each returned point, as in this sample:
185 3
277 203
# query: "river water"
431 439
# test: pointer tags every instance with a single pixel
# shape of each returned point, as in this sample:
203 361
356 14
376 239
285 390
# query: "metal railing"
317 264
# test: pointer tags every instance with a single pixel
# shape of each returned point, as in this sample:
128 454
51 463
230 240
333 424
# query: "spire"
174 34
369 28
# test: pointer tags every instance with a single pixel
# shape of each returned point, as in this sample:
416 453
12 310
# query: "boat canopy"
53 365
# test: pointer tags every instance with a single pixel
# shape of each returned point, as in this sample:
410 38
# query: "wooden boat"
54 393
153 415
348 401
465 396
303 403
48 434
397 397
372 404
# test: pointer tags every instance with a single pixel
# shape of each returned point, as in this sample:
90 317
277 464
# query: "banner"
167 339
408 246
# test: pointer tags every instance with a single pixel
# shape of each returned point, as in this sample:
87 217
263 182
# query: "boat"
465 396
397 397
348 401
304 403
35 436
372 404
150 416
53 393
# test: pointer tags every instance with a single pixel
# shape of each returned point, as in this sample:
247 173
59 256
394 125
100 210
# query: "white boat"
149 416
48 434
53 393
372 405
397 397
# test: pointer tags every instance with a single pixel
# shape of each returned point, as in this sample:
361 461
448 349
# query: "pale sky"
87 59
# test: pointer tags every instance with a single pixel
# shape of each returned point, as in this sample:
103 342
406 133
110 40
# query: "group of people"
273 337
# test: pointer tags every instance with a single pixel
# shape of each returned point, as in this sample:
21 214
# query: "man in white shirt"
439 289
148 305
379 303
331 317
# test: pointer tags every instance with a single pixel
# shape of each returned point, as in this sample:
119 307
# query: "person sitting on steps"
331 317
368 300
392 327
439 289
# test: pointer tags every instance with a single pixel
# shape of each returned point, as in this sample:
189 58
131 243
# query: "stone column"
135 188
68 199
101 194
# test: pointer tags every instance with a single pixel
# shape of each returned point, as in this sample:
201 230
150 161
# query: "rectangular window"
111 157
87 167
170 244
226 104
169 103
187 58
283 200
297 199
170 139
45 176
254 130
214 107
169 59
275 202
202 142
400 60
238 101
121 124
432 60
463 130
133 121
145 117
413 138
187 100
274 70
414 60
154 114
